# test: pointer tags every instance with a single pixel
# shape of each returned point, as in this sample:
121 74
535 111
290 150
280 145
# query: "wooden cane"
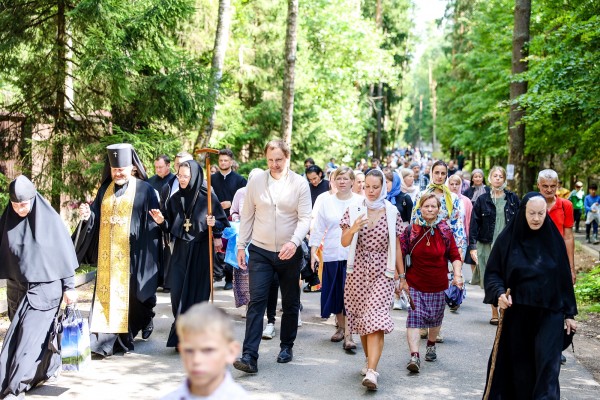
488 385
209 199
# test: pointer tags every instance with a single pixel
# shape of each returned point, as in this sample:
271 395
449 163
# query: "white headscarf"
380 202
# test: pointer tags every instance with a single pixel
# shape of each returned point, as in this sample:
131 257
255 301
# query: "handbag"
407 257
75 341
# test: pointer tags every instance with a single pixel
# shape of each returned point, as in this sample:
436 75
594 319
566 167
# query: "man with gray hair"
421 181
560 211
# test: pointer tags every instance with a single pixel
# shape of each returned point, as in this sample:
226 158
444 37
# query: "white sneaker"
269 332
363 370
370 379
397 305
299 318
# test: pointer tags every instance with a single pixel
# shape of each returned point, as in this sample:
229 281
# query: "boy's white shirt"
227 390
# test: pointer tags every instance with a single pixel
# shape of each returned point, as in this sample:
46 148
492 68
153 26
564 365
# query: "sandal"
494 321
349 343
338 336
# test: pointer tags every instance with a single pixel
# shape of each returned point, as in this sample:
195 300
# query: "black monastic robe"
189 264
38 261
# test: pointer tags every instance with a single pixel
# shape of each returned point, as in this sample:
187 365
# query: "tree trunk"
432 88
516 128
221 39
380 111
57 139
287 114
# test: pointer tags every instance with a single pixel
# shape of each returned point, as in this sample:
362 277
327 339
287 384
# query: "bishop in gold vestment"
119 235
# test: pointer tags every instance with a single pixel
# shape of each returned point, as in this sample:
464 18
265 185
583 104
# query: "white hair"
547 174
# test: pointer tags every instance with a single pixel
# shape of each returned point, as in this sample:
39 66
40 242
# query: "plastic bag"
231 234
75 341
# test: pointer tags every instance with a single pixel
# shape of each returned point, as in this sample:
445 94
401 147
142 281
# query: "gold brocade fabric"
111 303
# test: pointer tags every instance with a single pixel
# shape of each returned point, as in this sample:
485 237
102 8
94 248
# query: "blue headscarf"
396 188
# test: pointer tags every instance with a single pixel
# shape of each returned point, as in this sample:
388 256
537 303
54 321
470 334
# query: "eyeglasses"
184 177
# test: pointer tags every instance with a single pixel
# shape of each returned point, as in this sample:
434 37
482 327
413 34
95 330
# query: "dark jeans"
221 269
262 265
577 217
272 300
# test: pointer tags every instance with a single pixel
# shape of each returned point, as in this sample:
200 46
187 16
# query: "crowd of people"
383 236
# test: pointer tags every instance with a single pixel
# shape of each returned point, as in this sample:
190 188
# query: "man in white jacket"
274 220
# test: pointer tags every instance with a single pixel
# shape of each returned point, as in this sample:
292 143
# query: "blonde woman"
492 211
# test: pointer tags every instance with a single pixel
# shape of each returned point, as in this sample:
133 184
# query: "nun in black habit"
187 221
38 261
530 258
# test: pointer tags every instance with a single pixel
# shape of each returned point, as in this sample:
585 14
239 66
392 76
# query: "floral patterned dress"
369 293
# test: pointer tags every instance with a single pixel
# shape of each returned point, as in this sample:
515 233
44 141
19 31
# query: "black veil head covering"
37 247
533 263
21 189
192 202
196 180
122 155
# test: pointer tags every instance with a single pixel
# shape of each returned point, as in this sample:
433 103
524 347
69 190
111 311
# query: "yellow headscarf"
447 195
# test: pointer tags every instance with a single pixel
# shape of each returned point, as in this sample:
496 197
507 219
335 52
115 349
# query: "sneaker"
269 332
370 379
431 355
423 333
439 338
414 365
299 318
363 370
397 305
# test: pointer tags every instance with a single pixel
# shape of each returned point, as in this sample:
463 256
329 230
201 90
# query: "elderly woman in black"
531 259
38 261
187 220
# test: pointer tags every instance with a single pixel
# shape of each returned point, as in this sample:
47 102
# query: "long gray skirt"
26 358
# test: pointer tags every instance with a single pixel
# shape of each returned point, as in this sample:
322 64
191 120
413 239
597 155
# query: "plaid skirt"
429 309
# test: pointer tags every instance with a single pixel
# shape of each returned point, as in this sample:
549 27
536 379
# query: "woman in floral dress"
371 229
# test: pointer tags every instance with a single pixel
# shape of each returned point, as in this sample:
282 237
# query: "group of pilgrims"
378 235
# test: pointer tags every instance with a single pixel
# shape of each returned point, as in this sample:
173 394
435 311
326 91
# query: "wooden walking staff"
209 199
488 385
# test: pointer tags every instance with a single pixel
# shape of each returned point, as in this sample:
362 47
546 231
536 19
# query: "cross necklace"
187 225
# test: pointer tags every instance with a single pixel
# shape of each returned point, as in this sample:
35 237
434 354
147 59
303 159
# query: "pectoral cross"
187 225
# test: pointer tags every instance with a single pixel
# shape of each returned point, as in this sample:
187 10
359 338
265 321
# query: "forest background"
77 75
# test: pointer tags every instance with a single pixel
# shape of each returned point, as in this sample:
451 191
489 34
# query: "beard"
121 181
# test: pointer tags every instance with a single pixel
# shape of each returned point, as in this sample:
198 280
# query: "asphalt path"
320 369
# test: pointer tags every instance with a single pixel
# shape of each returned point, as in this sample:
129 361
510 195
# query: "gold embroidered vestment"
111 302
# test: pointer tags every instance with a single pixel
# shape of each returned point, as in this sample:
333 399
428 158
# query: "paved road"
320 369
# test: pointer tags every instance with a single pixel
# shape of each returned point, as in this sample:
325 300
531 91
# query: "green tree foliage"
340 52
66 61
564 90
473 75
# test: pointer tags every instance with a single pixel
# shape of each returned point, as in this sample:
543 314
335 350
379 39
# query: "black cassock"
38 260
144 241
189 264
